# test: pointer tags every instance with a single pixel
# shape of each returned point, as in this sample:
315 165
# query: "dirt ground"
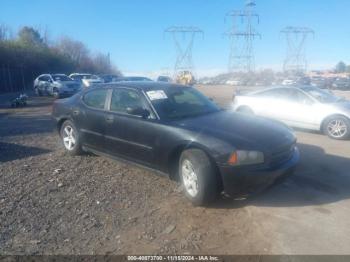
51 203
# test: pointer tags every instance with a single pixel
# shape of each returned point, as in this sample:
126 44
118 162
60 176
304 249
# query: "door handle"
109 119
76 112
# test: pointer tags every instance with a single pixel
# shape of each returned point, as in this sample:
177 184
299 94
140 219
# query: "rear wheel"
70 138
337 127
198 177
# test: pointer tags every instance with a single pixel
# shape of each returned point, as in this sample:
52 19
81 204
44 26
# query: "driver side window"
124 100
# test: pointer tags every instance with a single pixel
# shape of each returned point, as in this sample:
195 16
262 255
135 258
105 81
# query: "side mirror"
138 111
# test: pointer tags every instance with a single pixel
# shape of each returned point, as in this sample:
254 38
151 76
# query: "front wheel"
70 137
337 127
56 94
198 177
38 92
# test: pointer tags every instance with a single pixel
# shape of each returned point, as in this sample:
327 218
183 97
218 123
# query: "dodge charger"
177 131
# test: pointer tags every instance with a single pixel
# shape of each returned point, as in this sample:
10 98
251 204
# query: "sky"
132 31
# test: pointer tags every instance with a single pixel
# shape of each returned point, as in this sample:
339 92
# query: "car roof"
142 85
260 90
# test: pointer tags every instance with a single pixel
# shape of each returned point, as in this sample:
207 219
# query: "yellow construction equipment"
185 78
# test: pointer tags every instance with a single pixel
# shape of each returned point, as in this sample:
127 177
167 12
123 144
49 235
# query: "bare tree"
4 32
75 50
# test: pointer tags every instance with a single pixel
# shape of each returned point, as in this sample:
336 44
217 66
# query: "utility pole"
296 37
242 35
183 37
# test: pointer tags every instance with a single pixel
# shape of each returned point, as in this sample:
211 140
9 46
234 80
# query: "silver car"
57 85
304 107
86 80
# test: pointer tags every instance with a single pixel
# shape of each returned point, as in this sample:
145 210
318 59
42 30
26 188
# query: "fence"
15 79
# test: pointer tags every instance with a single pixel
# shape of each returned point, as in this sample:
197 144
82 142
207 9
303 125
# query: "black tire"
207 182
76 149
245 110
344 134
56 94
38 92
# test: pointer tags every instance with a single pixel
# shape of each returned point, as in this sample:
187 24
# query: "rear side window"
96 98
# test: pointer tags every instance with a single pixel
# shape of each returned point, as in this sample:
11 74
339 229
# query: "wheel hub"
337 128
190 178
69 139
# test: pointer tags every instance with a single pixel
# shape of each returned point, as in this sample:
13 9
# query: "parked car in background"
164 79
234 82
57 85
320 82
341 84
109 78
288 82
178 132
303 81
134 78
86 80
305 107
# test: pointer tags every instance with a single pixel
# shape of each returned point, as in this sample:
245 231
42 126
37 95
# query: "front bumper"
251 179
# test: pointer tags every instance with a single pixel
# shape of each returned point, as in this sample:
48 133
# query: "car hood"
240 130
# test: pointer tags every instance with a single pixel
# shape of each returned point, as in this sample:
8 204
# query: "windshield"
61 78
180 102
321 95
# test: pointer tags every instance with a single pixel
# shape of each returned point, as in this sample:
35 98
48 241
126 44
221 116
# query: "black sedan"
179 132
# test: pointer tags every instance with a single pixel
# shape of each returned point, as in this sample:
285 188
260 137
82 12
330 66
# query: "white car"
288 82
304 107
57 85
87 80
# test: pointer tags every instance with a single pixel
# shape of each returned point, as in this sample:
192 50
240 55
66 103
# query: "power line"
184 37
242 35
296 54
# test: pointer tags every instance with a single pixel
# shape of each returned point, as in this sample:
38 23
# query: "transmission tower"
183 37
296 40
242 35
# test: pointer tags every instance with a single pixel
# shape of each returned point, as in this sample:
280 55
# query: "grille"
282 155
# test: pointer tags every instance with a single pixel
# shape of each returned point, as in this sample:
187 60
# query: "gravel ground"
52 203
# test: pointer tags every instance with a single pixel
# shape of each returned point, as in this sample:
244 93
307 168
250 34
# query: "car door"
131 135
299 109
289 105
267 103
90 118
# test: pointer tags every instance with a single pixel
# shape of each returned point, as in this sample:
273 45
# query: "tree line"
341 67
29 53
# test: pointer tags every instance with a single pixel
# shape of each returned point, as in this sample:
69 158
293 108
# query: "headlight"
242 157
